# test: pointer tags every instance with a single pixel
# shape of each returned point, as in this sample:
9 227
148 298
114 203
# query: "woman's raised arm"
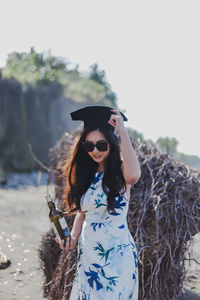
130 165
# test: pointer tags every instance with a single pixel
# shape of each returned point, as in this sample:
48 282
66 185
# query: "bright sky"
150 51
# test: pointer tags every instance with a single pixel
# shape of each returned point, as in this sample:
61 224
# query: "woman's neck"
100 167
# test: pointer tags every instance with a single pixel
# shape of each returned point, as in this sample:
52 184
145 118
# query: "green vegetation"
33 68
45 69
169 146
191 160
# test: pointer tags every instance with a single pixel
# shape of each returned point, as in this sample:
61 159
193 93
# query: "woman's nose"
95 150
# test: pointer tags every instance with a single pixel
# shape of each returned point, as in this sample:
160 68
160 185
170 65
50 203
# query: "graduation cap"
95 116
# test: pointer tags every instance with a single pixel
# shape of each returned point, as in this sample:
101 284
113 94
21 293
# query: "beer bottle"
58 220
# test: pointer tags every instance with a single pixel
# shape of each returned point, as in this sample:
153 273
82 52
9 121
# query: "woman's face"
94 137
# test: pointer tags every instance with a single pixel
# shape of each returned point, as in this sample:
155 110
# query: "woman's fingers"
111 123
62 244
115 121
116 111
56 239
67 244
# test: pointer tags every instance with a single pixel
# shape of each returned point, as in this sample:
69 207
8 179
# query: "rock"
4 262
3 180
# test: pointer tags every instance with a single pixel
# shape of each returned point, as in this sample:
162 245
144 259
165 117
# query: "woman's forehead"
94 136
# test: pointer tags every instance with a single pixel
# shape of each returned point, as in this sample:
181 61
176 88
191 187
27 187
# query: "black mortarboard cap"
95 116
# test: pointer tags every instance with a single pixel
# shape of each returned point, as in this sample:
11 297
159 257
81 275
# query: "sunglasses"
100 145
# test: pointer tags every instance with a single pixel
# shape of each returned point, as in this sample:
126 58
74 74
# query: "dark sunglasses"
100 145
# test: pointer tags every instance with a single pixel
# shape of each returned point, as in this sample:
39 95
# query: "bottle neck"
50 202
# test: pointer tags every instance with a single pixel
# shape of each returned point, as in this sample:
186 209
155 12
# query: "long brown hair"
80 169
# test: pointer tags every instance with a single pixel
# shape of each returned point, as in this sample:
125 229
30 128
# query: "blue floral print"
94 225
98 177
102 252
121 227
94 277
107 257
98 201
119 202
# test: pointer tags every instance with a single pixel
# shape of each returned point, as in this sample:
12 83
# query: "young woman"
99 173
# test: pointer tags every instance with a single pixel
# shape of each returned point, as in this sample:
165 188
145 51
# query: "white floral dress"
107 257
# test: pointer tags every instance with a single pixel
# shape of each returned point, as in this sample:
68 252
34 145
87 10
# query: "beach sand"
23 220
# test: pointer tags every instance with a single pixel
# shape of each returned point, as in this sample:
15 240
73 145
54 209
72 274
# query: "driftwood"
164 215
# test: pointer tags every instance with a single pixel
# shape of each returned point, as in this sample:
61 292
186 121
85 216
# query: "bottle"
58 220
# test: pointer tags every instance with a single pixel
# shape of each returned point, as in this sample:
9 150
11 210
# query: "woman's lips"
97 156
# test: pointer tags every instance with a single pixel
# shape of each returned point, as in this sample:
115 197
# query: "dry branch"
164 215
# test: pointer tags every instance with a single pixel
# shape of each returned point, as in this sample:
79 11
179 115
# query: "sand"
23 220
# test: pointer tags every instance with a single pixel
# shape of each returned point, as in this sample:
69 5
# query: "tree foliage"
100 77
97 75
167 145
191 160
43 68
33 67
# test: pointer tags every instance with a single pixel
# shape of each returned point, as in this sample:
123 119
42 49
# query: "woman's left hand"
116 120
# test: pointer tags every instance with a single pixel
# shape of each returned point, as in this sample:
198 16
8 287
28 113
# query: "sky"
150 51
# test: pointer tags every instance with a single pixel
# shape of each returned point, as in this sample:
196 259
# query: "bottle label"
56 232
64 226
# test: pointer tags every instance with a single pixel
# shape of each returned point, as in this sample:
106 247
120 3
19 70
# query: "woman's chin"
98 159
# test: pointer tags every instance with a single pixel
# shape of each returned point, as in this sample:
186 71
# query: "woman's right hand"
68 244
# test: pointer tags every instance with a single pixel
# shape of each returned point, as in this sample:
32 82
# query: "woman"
99 173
